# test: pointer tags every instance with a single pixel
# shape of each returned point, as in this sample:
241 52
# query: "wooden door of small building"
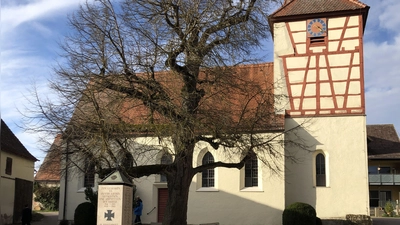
162 203
23 196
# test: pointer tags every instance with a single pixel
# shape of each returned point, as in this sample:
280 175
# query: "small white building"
16 182
318 65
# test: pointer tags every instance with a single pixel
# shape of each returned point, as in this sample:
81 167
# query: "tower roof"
307 8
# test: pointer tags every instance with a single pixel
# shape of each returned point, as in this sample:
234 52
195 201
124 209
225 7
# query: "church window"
251 173
165 159
317 41
208 175
89 174
320 170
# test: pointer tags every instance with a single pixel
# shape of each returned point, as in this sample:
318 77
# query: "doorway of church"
162 203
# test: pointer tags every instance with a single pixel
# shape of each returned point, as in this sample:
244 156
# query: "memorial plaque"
114 206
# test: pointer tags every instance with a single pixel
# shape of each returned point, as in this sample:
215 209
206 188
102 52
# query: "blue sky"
32 29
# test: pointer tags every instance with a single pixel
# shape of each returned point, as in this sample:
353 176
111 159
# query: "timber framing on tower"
319 55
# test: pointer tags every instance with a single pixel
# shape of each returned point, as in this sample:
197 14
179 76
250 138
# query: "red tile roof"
305 7
383 142
247 80
50 168
11 144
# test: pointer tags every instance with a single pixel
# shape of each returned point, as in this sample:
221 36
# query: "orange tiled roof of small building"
50 168
304 7
383 142
11 144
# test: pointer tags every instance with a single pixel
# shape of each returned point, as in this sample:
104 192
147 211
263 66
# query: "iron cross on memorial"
109 215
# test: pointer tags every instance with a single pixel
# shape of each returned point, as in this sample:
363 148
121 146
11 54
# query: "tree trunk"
178 194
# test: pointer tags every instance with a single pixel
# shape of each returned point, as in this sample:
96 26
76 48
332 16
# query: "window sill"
251 189
160 184
322 187
207 189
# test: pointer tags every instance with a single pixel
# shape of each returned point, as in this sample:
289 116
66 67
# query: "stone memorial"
115 196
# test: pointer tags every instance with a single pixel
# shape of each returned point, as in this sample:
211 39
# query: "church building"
319 69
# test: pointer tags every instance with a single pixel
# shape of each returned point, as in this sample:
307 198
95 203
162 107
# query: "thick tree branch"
138 171
238 165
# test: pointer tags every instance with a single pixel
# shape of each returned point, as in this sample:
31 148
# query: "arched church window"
320 170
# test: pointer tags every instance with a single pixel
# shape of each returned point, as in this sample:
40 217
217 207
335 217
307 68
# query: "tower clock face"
316 27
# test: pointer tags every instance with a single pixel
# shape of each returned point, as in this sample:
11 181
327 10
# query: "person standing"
26 216
138 210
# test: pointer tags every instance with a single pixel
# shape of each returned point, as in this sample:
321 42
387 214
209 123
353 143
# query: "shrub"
300 214
91 195
389 209
85 214
318 221
48 196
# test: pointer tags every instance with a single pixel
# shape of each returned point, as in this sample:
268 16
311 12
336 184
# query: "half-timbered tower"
318 65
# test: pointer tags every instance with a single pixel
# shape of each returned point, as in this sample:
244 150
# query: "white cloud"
14 15
389 16
382 62
30 30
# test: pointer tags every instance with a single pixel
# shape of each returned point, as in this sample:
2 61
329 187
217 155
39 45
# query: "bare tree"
166 69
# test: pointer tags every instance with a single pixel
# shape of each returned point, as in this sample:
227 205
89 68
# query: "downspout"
65 182
366 162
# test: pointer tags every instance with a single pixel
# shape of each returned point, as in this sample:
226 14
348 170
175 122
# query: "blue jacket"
138 208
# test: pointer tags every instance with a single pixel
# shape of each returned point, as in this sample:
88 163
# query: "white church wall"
343 142
228 202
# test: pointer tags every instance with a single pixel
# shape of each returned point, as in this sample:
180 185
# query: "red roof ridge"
255 65
358 3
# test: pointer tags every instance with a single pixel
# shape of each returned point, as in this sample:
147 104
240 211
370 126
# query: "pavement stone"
50 218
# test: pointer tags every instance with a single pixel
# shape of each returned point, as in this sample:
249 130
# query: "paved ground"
386 221
50 218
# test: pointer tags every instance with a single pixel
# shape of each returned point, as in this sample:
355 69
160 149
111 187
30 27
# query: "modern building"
383 166
318 66
16 181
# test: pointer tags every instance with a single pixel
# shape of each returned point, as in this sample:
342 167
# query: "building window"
384 170
165 159
372 170
379 198
8 166
317 41
251 173
89 174
320 170
208 175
